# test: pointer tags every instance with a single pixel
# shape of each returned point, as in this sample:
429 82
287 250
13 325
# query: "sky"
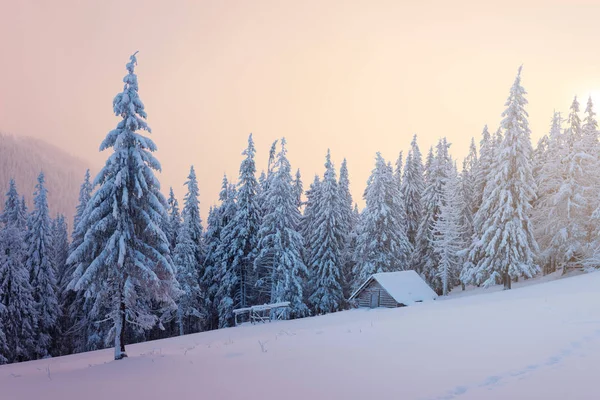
355 76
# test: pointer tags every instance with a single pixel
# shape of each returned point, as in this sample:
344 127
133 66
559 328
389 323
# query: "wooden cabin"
393 289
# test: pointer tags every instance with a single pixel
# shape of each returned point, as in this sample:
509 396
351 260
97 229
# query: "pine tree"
210 282
41 269
186 266
382 245
124 260
466 194
412 189
174 220
567 217
79 332
280 243
298 188
348 221
191 217
548 175
505 247
59 254
424 259
447 241
16 294
326 246
241 232
398 170
484 165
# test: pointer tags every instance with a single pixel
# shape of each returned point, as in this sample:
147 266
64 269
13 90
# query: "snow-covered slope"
536 342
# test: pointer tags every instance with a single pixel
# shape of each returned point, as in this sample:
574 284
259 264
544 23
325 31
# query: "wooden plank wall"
385 300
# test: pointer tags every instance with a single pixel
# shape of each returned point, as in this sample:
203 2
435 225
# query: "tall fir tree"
327 246
382 244
505 248
41 269
241 232
280 243
124 261
412 189
348 221
424 259
298 188
173 225
447 240
191 217
16 293
466 194
484 166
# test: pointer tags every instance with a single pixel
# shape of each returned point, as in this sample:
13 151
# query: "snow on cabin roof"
406 287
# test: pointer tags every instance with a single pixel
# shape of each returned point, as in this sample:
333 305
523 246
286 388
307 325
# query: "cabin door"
374 299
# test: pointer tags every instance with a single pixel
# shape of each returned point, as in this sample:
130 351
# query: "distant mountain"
22 158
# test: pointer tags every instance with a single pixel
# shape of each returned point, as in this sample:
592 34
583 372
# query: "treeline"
140 267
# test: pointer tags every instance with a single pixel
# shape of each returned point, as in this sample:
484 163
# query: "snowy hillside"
540 341
22 159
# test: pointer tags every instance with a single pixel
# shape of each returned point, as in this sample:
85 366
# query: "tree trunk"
507 281
120 333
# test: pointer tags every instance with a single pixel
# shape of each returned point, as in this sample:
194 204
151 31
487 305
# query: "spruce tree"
124 260
174 220
298 188
382 245
16 293
424 259
184 258
447 240
326 246
241 232
41 269
228 294
505 247
280 243
210 282
348 221
484 165
412 189
191 217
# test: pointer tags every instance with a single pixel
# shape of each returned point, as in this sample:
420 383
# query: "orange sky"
355 76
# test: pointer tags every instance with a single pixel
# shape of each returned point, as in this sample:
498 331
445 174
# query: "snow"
539 341
406 287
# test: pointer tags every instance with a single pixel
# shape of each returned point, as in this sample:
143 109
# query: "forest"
136 265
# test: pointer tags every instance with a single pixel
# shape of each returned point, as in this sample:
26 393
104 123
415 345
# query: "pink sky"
354 76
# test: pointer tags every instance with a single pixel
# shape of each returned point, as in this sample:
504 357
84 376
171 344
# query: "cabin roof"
406 287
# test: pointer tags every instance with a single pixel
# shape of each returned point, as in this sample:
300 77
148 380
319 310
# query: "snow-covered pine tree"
548 175
174 220
424 258
191 217
566 219
241 232
412 189
466 194
308 219
447 229
186 266
226 277
124 260
348 221
41 269
382 245
16 293
505 247
60 250
298 188
484 164
591 147
80 333
398 169
280 243
326 246
210 282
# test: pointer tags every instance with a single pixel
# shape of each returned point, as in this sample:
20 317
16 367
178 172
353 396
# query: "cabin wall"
385 300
